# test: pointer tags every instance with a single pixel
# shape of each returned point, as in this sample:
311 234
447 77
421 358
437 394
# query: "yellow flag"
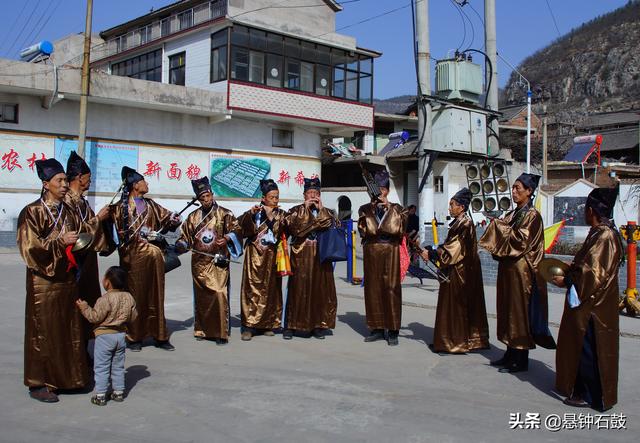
551 235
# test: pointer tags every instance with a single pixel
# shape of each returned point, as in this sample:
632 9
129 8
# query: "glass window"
352 86
366 66
219 56
274 70
365 88
177 69
219 39
323 79
293 74
292 47
309 51
8 113
165 27
239 63
240 35
275 43
258 39
141 67
306 77
282 138
323 54
256 67
338 82
219 64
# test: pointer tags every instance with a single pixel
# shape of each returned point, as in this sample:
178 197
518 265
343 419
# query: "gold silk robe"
594 273
89 288
381 240
210 282
311 293
517 242
54 338
461 315
144 263
261 291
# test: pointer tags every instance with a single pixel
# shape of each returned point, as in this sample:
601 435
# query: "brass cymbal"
552 267
84 241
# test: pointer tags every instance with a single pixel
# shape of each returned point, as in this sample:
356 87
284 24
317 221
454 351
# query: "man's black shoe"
318 333
287 334
135 346
392 339
376 334
44 395
165 345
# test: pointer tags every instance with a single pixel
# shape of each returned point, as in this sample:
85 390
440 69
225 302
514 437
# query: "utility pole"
425 198
544 145
84 92
492 52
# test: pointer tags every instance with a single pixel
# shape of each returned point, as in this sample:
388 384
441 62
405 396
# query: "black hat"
382 179
268 185
463 197
201 185
130 176
603 200
529 181
76 166
48 168
311 183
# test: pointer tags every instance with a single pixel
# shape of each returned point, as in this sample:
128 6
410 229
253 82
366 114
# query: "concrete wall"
316 22
151 126
197 47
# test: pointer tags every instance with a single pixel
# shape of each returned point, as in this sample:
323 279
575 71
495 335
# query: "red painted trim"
154 42
308 94
298 117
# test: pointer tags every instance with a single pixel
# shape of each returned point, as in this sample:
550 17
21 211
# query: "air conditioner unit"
459 80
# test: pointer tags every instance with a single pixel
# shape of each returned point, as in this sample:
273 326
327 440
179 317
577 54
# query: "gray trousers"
108 359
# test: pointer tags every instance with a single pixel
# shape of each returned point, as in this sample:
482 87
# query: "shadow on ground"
355 321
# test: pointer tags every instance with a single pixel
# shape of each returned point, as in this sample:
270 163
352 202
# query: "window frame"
227 53
274 131
183 66
356 70
123 66
16 108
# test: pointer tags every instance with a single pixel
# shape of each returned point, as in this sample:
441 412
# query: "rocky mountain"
594 68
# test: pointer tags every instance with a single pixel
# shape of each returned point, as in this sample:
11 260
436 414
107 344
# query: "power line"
35 8
473 29
53 11
29 36
464 24
554 18
15 22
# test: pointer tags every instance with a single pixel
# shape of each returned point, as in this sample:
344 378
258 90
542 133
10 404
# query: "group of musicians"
56 336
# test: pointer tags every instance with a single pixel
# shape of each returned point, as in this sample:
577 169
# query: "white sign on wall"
18 154
170 171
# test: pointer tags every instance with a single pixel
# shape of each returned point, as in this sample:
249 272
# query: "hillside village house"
233 89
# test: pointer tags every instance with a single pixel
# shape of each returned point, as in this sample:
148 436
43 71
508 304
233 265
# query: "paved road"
305 390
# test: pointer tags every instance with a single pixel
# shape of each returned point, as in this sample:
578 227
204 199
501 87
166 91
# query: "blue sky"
523 26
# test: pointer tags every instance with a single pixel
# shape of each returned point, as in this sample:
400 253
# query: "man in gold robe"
311 294
517 243
138 221
382 225
79 178
587 355
54 353
461 316
210 231
261 293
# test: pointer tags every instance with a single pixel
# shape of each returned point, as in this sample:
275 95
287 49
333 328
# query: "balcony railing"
163 28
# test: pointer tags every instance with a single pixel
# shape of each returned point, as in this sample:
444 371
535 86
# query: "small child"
111 313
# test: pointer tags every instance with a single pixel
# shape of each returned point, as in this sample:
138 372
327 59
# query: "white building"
235 90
